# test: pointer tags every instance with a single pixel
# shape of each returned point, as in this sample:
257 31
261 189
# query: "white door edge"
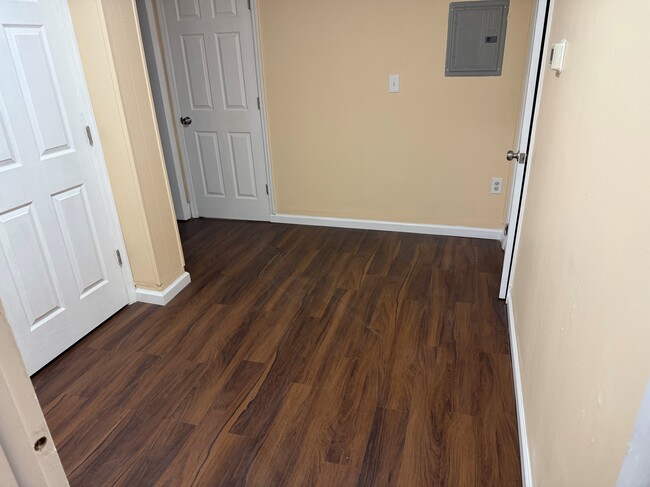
527 122
98 153
173 90
515 241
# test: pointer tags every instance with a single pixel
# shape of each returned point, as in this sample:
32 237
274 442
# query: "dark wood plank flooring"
299 356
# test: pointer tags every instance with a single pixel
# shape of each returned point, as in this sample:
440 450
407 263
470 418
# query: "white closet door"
59 273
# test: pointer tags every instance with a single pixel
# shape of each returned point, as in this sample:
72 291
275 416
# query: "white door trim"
97 151
257 46
172 89
22 423
173 93
180 166
518 189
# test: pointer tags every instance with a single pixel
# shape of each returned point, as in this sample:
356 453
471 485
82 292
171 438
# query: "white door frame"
97 151
257 46
22 423
168 85
181 169
529 113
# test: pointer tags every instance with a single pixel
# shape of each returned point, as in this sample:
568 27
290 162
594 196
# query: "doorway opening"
204 68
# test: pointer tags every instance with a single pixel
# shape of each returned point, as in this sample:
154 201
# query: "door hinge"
259 105
89 134
119 257
249 4
267 189
505 230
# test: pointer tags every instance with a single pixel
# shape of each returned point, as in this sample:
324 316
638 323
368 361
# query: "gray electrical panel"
476 38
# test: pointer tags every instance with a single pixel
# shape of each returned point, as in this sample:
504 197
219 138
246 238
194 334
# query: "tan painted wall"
109 41
342 146
580 295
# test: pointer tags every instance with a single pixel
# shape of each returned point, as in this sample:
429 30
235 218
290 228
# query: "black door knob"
186 121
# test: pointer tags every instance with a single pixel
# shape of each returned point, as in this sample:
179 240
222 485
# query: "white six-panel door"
210 43
59 276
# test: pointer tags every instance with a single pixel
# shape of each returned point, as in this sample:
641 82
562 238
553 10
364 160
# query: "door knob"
516 156
186 121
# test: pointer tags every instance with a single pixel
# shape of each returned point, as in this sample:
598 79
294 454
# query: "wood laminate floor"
299 356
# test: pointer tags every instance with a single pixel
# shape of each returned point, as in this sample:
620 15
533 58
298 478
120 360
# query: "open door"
519 154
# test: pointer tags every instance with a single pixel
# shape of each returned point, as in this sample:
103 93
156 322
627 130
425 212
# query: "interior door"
519 155
59 274
210 43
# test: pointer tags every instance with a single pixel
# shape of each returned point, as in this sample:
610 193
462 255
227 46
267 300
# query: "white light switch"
393 83
557 56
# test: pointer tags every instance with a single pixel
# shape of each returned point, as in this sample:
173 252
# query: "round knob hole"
40 443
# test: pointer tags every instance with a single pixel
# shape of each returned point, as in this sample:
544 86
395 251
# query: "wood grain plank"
298 356
382 462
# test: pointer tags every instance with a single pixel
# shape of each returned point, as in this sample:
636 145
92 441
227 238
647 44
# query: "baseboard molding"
163 297
526 472
446 230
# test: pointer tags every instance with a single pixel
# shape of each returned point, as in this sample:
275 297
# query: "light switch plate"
557 56
393 83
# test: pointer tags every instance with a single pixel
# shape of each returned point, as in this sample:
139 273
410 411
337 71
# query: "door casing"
22 423
164 109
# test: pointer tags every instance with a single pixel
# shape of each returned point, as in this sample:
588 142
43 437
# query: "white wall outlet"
497 186
393 83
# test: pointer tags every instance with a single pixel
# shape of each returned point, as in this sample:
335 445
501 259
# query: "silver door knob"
186 121
520 157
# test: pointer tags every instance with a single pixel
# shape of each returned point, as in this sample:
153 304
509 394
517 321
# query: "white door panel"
60 277
80 237
30 263
213 63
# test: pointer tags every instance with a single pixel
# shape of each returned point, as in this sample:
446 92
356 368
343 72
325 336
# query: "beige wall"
342 146
109 41
580 295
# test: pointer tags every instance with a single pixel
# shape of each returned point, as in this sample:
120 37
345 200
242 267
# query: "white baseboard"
446 230
166 295
526 472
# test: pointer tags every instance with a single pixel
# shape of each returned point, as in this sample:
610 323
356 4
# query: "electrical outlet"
497 186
